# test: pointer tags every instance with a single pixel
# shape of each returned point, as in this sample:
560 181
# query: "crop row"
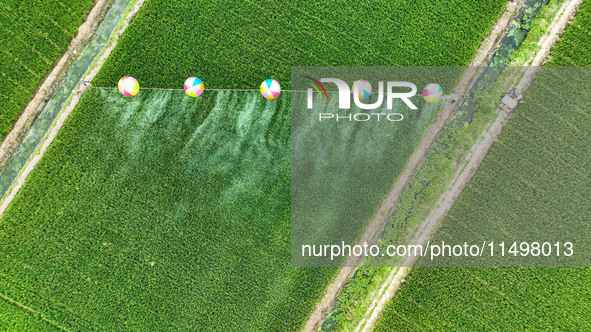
263 41
536 177
575 44
13 318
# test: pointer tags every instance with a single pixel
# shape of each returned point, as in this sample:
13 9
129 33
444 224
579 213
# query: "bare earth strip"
97 64
475 157
381 217
51 83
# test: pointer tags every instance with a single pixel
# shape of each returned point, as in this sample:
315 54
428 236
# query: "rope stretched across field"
165 89
253 90
90 86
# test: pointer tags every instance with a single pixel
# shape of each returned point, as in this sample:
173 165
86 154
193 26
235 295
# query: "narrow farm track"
51 83
381 217
475 157
97 64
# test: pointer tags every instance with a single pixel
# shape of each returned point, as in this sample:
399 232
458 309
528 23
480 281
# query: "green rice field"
163 212
34 35
537 171
14 318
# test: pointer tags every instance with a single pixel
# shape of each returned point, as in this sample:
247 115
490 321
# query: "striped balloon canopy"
194 87
432 93
270 89
128 86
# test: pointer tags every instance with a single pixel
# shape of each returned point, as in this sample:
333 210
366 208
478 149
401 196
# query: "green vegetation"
529 47
354 299
416 202
34 35
437 170
535 173
169 213
144 218
505 299
575 44
13 318
263 40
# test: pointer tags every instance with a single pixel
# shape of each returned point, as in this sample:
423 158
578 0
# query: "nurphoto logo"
344 92
362 90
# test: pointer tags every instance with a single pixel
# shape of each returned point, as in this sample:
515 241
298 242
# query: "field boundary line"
31 312
50 84
477 153
387 207
96 65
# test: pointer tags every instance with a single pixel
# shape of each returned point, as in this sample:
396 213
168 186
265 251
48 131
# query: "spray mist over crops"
180 200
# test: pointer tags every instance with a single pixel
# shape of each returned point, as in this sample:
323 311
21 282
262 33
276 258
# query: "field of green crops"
163 212
13 318
264 39
546 181
505 299
575 44
34 35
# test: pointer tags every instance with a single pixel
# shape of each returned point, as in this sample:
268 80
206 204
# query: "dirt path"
98 63
463 175
51 83
381 217
428 227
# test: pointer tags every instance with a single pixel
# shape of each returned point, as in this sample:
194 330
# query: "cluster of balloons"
270 88
129 87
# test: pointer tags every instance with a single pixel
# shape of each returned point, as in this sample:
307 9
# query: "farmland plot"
34 34
13 318
547 157
166 206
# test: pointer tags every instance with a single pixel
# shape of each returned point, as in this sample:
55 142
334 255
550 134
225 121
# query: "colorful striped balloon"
432 93
194 87
270 89
363 89
128 86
